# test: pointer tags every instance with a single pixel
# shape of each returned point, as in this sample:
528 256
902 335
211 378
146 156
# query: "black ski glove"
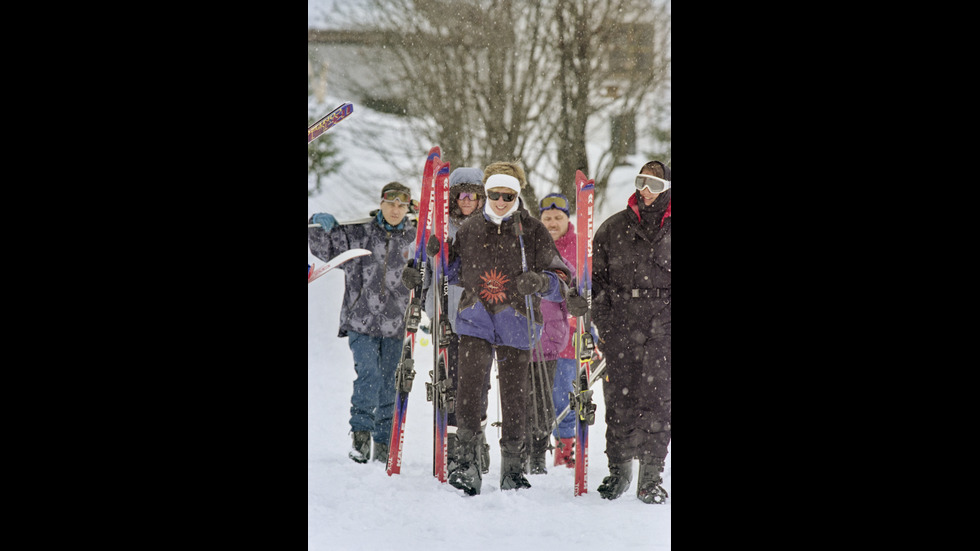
411 278
530 283
432 247
577 305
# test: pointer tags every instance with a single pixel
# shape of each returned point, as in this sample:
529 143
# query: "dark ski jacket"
631 273
455 291
456 218
485 260
375 299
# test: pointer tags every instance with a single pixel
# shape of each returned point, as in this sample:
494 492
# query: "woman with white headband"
486 261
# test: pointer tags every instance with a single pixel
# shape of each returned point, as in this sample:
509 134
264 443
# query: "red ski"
405 372
582 396
441 328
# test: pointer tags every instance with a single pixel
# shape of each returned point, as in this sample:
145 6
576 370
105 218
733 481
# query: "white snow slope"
353 506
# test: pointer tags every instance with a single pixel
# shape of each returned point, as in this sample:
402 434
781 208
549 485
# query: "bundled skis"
405 372
438 391
329 121
581 398
312 273
599 367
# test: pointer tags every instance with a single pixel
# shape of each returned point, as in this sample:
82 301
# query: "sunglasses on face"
494 195
472 196
396 197
654 184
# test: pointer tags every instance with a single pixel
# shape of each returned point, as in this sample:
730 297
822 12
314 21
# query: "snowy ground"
353 506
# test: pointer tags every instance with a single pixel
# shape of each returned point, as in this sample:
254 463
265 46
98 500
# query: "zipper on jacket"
384 272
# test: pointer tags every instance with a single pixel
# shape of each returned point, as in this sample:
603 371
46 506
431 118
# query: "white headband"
503 180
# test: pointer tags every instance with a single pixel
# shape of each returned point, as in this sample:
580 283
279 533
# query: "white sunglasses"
654 184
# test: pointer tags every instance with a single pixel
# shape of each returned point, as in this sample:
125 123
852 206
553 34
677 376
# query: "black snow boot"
467 475
381 452
536 461
360 450
512 473
620 476
452 463
648 488
484 448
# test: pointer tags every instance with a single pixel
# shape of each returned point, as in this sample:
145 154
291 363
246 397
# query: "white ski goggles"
654 184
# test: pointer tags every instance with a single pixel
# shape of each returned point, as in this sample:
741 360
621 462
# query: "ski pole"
533 344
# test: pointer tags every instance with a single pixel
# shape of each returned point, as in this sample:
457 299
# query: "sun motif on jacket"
492 288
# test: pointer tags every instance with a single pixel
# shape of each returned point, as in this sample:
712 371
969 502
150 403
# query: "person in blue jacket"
487 260
372 316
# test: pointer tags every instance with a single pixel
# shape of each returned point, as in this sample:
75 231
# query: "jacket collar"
634 205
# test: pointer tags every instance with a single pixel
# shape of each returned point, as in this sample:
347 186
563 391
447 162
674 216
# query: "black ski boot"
381 452
360 450
512 473
467 475
648 488
620 476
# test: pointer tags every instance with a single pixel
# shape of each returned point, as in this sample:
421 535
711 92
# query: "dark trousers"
636 390
475 359
453 349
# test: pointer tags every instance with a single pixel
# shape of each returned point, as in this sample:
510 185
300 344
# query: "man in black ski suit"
631 309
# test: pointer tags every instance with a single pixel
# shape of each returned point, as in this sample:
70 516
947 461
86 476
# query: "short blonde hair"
508 168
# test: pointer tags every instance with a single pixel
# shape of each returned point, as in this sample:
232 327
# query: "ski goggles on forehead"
554 203
654 184
396 197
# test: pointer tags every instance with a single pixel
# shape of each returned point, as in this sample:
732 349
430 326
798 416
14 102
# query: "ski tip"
582 181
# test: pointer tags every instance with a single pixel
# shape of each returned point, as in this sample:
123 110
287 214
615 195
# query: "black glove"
432 247
529 283
577 305
411 278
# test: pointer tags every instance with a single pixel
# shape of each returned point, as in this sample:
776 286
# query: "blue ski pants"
564 378
373 402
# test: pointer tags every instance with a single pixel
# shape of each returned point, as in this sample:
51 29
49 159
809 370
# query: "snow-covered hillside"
353 506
